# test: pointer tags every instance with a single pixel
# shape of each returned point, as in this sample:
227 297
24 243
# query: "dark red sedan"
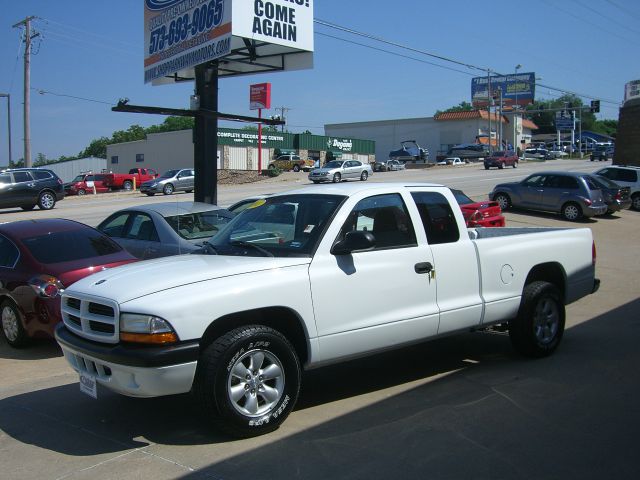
479 214
39 259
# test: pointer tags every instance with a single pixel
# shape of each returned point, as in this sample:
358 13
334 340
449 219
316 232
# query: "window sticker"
257 203
309 228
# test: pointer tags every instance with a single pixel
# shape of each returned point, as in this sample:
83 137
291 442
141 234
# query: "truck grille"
90 317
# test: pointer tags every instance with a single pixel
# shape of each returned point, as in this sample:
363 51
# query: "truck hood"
144 278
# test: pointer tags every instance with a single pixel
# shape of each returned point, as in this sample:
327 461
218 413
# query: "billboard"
180 34
632 90
516 89
260 96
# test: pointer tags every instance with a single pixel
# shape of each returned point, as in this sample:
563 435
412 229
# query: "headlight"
142 328
154 184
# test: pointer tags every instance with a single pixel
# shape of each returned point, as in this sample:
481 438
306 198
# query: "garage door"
237 158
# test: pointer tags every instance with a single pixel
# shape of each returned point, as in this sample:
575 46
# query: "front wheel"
486 167
12 327
46 201
539 326
501 166
515 164
503 200
635 201
572 212
168 189
81 192
248 380
150 194
363 176
27 208
336 178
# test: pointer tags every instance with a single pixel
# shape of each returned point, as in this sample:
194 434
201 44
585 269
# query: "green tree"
97 148
461 107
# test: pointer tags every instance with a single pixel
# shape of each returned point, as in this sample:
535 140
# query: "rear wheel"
515 164
12 327
127 185
635 201
248 380
486 167
539 326
296 168
363 176
571 211
503 200
81 192
501 165
168 189
46 201
337 177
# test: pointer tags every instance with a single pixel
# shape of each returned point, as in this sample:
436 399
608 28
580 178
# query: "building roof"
480 114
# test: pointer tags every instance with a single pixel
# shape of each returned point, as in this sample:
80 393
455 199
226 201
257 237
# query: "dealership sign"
260 96
180 34
516 89
345 144
632 90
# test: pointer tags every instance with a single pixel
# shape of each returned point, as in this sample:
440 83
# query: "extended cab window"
439 222
385 216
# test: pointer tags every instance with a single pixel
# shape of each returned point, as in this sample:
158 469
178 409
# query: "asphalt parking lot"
459 407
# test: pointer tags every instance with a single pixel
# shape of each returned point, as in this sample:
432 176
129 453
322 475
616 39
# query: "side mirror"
356 241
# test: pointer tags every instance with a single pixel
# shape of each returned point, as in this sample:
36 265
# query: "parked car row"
574 195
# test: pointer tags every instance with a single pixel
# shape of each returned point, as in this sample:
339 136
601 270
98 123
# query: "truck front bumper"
136 371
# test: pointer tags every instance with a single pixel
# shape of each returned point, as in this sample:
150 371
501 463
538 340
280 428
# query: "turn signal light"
150 338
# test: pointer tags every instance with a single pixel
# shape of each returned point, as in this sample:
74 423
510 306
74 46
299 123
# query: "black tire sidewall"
217 363
522 329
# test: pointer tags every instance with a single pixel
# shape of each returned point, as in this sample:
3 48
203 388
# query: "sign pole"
206 135
260 142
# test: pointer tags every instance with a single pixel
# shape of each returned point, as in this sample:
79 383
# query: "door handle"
423 267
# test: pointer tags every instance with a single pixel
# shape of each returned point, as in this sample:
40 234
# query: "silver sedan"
167 228
338 170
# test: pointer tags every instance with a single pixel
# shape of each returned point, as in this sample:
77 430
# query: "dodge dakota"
290 283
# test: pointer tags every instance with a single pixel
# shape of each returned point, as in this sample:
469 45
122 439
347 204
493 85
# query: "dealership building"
237 149
438 134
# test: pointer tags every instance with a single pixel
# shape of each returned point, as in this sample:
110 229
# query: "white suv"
626 177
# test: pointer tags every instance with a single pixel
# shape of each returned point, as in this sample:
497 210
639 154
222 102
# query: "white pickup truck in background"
294 282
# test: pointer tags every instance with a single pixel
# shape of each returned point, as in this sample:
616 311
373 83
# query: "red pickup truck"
126 180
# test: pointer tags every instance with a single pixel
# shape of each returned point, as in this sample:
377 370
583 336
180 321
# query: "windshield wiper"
207 247
241 243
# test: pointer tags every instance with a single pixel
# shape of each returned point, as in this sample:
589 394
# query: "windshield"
200 224
79 178
604 182
169 174
461 198
333 164
283 226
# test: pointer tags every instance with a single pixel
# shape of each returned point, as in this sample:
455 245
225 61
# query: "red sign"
260 96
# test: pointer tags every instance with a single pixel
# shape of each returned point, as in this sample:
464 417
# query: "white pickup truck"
295 282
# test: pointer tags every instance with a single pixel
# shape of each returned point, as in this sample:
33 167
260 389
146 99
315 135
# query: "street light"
515 106
8 96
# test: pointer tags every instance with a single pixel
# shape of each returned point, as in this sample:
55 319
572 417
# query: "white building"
437 134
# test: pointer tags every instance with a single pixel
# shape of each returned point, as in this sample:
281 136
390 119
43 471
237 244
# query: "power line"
86 32
625 10
613 20
43 92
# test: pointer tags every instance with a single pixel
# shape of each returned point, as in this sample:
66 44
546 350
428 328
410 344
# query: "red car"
86 182
38 259
505 158
479 214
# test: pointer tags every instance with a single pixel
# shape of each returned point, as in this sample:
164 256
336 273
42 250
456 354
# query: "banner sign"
260 96
516 89
280 22
632 90
180 34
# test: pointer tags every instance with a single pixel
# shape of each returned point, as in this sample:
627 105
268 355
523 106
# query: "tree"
545 120
97 148
461 107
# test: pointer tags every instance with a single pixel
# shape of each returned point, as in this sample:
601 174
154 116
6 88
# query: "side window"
534 181
591 185
142 228
41 175
5 178
439 222
114 159
8 253
139 157
115 226
627 176
609 173
386 217
22 177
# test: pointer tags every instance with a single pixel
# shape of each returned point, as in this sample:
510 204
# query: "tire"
188 191
296 168
27 208
127 185
150 194
515 164
46 201
539 326
315 181
12 325
363 176
337 178
486 167
272 167
504 201
224 371
167 189
81 192
571 211
501 166
635 201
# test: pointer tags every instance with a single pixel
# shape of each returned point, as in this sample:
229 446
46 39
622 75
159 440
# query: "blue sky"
94 50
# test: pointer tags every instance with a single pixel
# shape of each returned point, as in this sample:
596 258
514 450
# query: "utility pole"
27 86
282 111
8 96
489 100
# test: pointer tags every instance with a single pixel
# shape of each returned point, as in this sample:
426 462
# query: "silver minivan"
572 194
169 182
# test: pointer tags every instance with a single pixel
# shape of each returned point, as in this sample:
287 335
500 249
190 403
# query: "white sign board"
180 34
632 90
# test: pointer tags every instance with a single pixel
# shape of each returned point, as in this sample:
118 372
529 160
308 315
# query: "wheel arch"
283 319
551 272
